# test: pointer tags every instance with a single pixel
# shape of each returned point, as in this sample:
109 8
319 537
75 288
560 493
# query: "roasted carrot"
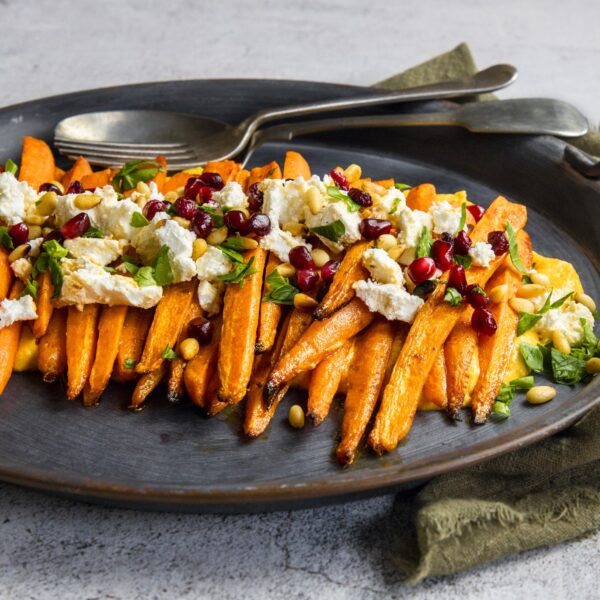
270 313
386 183
325 380
176 181
431 327
58 174
97 179
495 351
421 197
242 178
213 405
146 384
52 354
270 171
9 340
81 346
44 305
434 388
80 169
168 321
340 291
161 177
131 343
37 162
227 169
365 381
241 308
110 326
459 350
295 165
6 274
319 340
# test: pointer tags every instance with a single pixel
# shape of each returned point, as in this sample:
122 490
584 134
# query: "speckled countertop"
55 548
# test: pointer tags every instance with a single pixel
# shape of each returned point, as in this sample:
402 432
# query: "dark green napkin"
541 495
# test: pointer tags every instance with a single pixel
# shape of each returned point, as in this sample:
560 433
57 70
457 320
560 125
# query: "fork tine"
120 145
146 153
122 156
111 161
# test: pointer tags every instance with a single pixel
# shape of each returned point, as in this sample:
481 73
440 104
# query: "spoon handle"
493 78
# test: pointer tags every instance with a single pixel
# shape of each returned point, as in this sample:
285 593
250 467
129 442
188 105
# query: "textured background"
56 548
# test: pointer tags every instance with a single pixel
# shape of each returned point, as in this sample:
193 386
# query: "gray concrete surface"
55 548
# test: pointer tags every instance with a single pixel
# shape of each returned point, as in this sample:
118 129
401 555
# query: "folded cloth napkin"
537 496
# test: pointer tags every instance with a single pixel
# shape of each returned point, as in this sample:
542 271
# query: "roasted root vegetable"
9 341
81 168
52 353
131 343
37 162
82 327
270 313
434 388
44 305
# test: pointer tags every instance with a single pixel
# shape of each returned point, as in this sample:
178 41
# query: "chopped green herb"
506 395
138 220
527 321
129 363
234 243
566 369
281 291
30 289
526 279
5 238
49 259
168 353
589 344
395 204
463 216
110 269
465 260
424 243
236 257
522 383
10 166
332 231
163 274
144 276
93 232
402 186
134 172
500 410
452 296
513 248
533 356
239 273
217 218
336 194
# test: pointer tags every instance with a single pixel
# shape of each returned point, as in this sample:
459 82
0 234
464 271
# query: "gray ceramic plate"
171 457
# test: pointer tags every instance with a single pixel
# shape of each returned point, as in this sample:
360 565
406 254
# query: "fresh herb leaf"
144 276
513 249
232 255
395 204
506 395
527 321
129 363
332 231
133 172
10 166
452 296
558 303
168 353
424 243
138 220
110 269
281 291
217 218
500 411
239 273
566 369
163 274
49 259
402 186
533 356
522 383
337 195
236 242
589 343
93 232
463 259
5 238
463 216
30 289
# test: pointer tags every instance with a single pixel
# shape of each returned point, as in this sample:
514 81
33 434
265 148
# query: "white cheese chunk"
281 242
213 264
482 254
382 267
16 199
566 319
22 268
390 206
411 224
337 211
101 251
388 299
446 218
231 196
210 296
21 309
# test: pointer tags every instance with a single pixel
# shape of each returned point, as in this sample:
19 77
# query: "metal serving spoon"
516 116
113 137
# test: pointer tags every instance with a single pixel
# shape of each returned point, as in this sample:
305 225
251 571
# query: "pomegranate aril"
153 207
75 187
204 195
185 207
54 235
339 180
483 321
235 220
421 269
50 187
457 279
476 297
462 243
192 187
361 198
76 226
212 180
442 254
259 224
202 224
307 279
371 229
301 259
447 237
18 233
477 211
255 198
498 241
202 329
329 269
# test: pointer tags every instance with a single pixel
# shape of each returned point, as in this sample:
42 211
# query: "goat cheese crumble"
482 254
21 309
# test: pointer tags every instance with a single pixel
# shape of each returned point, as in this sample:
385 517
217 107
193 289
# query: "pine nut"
34 219
180 191
296 416
396 252
35 231
586 300
560 342
185 223
314 200
293 228
199 247
540 394
46 205
188 348
352 173
521 305
531 290
593 365
319 256
374 188
540 279
86 201
143 188
171 196
286 270
59 185
499 293
218 236
19 252
302 301
386 241
247 243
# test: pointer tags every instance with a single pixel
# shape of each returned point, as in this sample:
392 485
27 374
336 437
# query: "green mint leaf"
54 250
163 273
566 369
10 166
513 248
280 290
239 273
558 303
110 269
590 342
395 204
506 394
465 260
332 231
500 411
129 363
424 243
527 321
402 186
93 232
5 238
133 172
144 276
463 216
533 356
522 383
452 296
49 259
30 289
217 218
138 220
338 196
236 242
168 353
232 255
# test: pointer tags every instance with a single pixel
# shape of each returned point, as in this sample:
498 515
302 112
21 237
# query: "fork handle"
488 80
